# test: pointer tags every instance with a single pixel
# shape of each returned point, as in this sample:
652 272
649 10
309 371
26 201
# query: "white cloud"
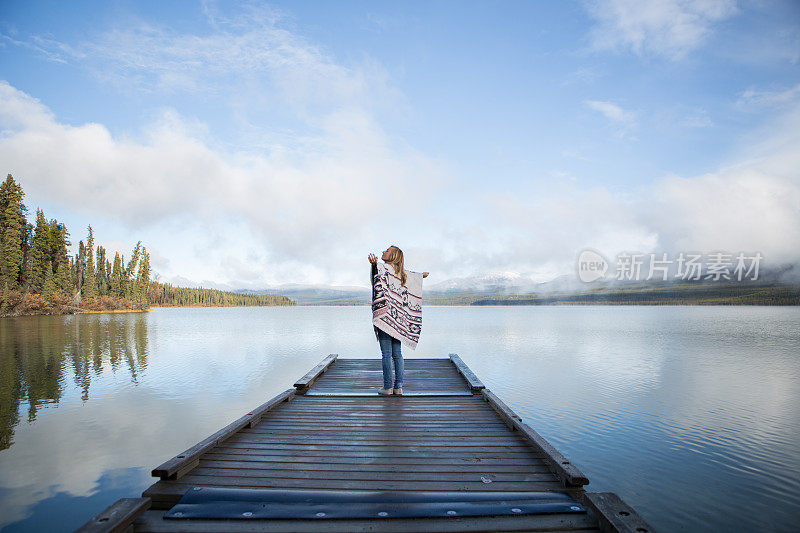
250 61
752 204
667 28
622 119
737 209
253 220
297 207
774 98
612 111
306 171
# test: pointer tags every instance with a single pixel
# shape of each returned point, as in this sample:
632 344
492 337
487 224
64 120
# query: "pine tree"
12 227
27 240
102 280
74 275
80 267
49 286
59 242
129 279
39 256
143 277
116 277
89 279
64 280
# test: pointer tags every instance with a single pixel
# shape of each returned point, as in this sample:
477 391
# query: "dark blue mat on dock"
253 504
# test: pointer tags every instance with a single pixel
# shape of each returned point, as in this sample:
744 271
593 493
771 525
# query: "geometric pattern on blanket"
397 309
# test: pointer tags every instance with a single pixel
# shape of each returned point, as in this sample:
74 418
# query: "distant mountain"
466 290
510 283
317 294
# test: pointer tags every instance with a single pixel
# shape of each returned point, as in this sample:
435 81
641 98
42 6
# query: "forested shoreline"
165 295
39 276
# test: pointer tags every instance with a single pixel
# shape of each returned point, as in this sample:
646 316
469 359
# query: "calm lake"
691 414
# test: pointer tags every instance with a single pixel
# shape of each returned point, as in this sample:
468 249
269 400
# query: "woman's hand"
425 274
373 258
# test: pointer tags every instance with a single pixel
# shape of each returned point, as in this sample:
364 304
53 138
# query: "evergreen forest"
39 276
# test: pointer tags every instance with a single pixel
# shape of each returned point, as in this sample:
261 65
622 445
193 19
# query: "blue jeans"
390 350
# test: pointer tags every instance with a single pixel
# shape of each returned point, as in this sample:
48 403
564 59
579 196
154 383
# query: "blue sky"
252 145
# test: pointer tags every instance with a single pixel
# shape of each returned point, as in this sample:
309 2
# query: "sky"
249 145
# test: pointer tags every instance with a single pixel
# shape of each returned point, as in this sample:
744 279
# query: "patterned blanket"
397 310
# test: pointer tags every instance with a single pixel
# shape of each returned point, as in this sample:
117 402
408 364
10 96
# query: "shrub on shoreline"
18 303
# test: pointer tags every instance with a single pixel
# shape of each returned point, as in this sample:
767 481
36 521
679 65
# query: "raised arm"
424 274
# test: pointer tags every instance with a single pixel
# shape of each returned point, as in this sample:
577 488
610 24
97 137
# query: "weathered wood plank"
386 453
389 434
380 448
566 470
458 401
457 460
391 415
415 382
234 462
178 488
376 374
371 391
474 383
379 418
376 404
377 360
176 466
381 406
375 368
377 371
247 471
545 482
117 517
353 425
371 440
398 409
391 431
614 514
379 402
306 381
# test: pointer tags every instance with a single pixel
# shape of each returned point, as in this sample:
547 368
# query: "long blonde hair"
396 260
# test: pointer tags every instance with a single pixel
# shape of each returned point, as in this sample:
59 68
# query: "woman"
390 346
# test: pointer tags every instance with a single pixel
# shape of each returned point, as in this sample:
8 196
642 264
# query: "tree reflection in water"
39 354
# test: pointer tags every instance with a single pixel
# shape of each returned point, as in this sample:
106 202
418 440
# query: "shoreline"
64 312
81 311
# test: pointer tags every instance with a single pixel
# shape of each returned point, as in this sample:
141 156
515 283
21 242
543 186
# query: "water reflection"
39 354
689 413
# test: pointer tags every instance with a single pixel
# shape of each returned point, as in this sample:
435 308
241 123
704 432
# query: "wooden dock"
332 455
